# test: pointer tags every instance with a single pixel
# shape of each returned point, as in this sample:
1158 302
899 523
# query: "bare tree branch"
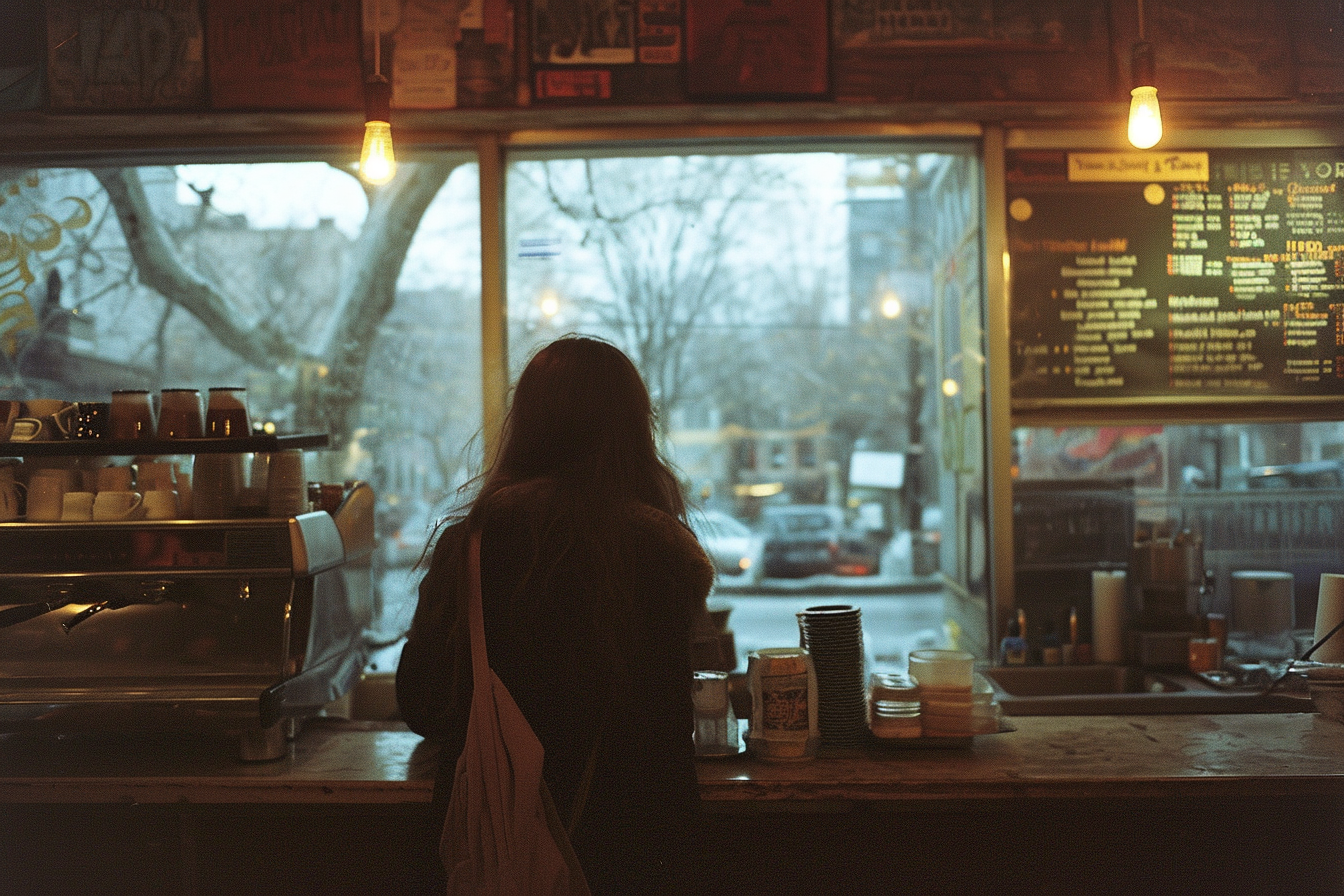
368 294
161 268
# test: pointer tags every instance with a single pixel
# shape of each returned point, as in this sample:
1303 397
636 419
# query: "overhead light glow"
1145 118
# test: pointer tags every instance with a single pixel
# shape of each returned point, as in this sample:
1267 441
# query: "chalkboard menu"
1176 276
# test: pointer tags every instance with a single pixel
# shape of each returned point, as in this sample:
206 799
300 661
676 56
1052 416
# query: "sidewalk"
824 584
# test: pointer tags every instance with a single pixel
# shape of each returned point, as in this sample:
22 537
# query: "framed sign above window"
757 48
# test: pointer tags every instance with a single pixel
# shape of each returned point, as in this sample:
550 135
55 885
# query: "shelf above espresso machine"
156 447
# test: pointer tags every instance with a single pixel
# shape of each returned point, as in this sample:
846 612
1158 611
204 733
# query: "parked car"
812 539
1308 474
731 545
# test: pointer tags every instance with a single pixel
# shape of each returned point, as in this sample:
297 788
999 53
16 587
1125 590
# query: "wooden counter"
338 761
1176 804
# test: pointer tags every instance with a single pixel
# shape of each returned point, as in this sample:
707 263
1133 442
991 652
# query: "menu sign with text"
1178 275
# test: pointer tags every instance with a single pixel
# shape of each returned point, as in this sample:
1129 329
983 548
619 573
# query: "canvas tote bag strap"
480 663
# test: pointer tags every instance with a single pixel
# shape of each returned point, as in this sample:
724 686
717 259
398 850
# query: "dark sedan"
813 539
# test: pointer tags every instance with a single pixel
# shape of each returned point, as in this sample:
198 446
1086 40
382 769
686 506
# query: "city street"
893 623
896 619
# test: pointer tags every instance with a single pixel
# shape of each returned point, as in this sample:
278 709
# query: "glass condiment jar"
131 414
180 414
893 705
226 414
716 731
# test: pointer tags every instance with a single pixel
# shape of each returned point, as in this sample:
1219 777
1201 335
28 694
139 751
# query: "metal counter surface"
350 762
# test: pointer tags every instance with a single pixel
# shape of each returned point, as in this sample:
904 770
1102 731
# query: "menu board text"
1176 275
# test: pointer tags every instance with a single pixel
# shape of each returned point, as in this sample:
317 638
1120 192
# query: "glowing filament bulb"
377 163
1145 118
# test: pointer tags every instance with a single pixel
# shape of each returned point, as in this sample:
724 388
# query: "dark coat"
550 612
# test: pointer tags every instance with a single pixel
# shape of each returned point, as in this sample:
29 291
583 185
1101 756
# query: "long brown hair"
580 430
581 417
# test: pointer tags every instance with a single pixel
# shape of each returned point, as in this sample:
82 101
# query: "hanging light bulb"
377 162
1145 118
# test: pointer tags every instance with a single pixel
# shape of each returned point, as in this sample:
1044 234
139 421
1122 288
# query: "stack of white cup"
286 487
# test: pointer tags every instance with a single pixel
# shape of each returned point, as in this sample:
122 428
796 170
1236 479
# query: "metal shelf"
147 447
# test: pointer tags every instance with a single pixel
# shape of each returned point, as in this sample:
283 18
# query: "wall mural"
34 233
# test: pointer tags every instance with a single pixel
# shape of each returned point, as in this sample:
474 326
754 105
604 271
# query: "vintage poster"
583 32
417 49
757 47
440 54
124 54
660 31
302 54
573 84
944 23
1105 452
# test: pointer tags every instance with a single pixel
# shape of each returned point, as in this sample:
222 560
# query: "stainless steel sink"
1127 690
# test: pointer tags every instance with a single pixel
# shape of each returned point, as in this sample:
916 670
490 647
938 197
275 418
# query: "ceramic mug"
25 429
115 478
118 505
77 506
43 407
46 495
154 474
160 504
61 424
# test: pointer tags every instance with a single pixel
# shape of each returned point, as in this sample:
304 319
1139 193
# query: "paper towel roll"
1329 613
1108 615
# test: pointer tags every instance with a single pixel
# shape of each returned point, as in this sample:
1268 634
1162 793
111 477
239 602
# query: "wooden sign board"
124 54
297 54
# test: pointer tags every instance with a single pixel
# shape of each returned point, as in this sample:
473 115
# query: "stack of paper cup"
1329 613
286 488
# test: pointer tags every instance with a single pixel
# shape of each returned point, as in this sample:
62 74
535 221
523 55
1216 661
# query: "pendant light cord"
378 37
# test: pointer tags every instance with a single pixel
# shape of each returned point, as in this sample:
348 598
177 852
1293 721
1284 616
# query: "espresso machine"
241 626
1168 588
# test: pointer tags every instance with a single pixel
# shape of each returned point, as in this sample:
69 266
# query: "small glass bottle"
1013 648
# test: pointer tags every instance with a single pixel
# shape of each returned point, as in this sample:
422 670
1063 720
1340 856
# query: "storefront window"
814 303
809 323
1265 497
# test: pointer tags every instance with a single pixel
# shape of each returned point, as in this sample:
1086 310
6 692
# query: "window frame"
493 147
